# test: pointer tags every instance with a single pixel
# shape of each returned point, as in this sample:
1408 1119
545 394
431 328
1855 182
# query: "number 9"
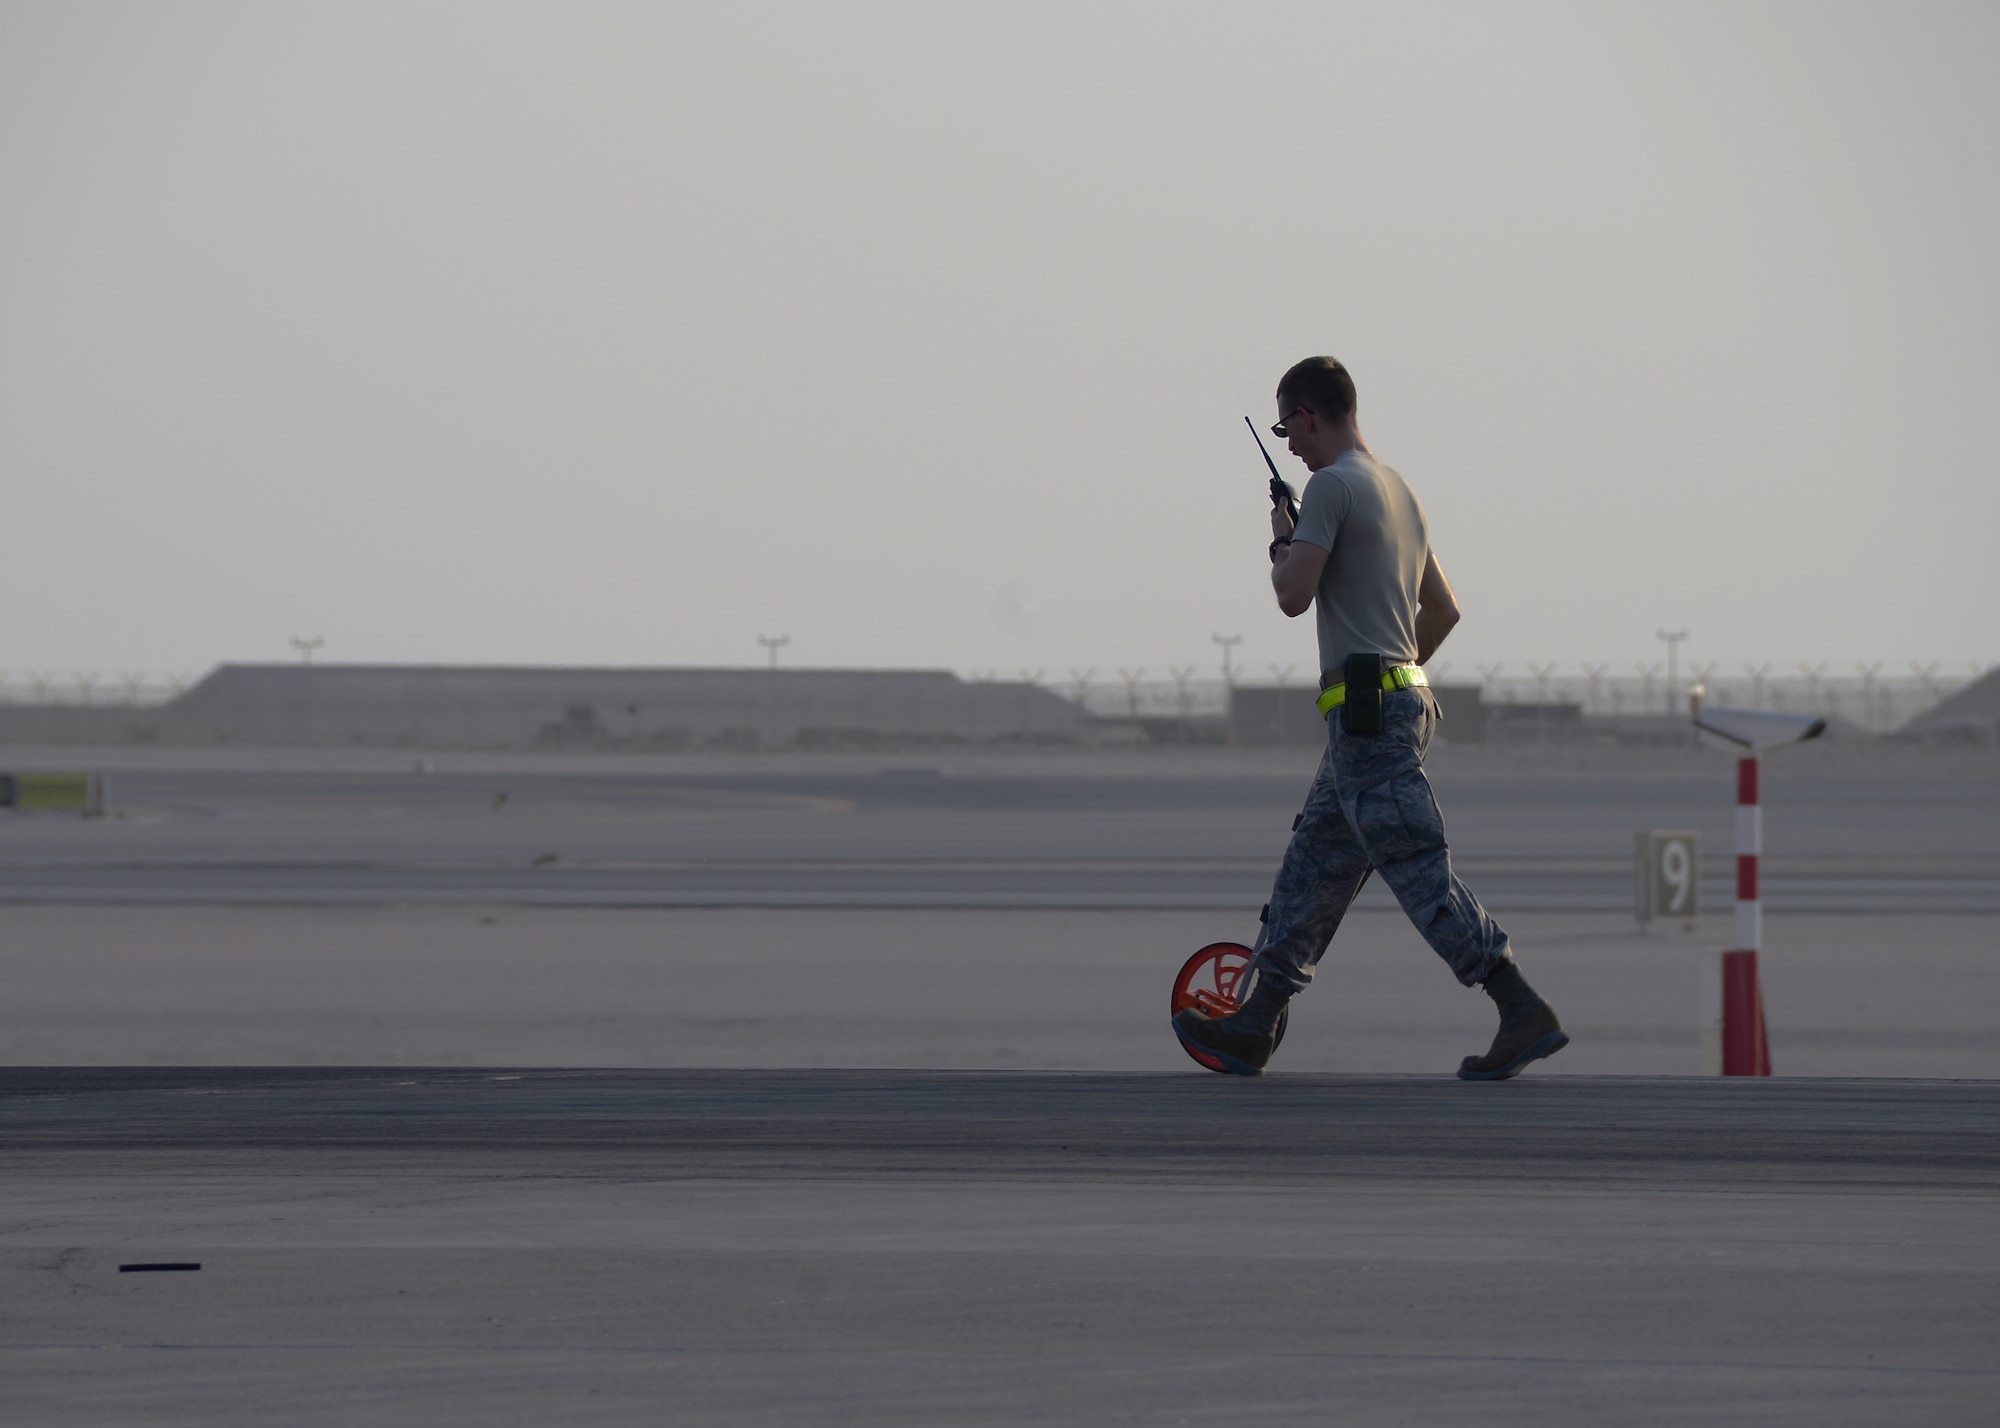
1674 870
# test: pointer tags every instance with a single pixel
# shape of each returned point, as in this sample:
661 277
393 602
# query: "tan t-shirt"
1371 523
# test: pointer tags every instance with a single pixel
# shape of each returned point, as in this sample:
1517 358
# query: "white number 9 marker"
1674 869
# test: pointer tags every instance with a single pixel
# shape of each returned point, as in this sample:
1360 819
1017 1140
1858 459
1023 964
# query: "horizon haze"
624 335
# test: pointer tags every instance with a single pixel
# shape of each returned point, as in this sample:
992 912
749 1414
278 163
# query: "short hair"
1320 385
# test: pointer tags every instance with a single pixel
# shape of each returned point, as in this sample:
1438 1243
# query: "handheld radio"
1281 494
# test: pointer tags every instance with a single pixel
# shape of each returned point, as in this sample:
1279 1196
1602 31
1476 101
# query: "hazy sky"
923 333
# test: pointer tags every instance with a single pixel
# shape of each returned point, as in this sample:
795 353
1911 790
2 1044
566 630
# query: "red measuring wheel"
1208 982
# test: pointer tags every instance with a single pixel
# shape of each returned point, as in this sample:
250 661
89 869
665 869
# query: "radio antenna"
1281 494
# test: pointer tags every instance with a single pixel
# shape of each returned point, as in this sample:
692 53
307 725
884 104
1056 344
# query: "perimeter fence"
83 689
1870 697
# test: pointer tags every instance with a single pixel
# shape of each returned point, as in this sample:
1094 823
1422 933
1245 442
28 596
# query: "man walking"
1361 552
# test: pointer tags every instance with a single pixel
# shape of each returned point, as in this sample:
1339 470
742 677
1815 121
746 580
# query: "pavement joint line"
1974 908
1345 1355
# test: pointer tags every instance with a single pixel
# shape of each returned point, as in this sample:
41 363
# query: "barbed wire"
1872 697
92 688
1869 698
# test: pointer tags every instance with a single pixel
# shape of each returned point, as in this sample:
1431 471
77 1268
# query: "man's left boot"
1529 1029
1244 1040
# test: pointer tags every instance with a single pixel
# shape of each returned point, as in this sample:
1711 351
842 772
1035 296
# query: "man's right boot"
1529 1029
1244 1040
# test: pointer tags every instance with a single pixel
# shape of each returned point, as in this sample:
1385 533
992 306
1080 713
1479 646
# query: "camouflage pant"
1371 808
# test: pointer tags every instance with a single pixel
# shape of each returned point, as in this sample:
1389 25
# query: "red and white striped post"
1745 1049
1745 1052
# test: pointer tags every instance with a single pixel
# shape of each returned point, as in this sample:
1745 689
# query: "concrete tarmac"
1847 829
529 1246
824 1226
1021 990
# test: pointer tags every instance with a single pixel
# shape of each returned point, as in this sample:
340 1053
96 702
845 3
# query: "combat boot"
1244 1040
1529 1028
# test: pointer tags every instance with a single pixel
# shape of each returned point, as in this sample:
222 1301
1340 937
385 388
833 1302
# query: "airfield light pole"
773 643
1180 675
305 647
1284 700
1746 1050
1229 644
1131 678
1673 639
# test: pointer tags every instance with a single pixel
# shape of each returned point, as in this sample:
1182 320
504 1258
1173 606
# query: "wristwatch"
1272 549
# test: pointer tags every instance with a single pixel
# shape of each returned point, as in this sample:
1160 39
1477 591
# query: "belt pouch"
1361 713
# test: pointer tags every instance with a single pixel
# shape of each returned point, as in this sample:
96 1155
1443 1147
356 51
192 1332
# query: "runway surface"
910 1247
804 1196
1024 989
798 1123
1847 830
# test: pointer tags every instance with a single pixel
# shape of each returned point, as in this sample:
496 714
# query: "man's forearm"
1291 581
1432 626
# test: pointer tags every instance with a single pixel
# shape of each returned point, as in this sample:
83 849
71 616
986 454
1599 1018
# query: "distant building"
1971 716
529 707
1538 720
1264 715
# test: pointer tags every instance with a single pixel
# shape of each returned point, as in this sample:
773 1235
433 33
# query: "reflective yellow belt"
1403 676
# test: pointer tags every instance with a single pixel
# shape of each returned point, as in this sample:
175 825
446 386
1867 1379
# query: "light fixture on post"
1746 1050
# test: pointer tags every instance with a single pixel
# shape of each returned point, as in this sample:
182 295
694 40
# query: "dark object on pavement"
150 1268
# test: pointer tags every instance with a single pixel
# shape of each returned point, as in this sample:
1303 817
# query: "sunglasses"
1279 429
